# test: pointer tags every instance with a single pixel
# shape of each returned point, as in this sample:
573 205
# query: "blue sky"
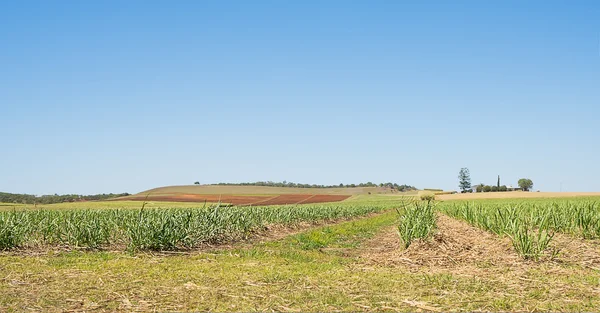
122 96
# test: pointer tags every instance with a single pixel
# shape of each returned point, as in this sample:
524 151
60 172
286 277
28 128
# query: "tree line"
488 188
299 185
49 199
464 183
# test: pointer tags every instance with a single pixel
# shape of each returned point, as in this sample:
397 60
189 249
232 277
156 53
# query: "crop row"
530 225
417 221
157 229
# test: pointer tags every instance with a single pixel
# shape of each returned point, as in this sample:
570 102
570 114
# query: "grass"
318 270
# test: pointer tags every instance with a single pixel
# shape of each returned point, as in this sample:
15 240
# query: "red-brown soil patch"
325 198
284 199
235 200
242 199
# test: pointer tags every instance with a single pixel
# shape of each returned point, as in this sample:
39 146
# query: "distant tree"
196 183
498 184
503 188
479 188
487 188
495 188
55 198
464 179
299 185
526 184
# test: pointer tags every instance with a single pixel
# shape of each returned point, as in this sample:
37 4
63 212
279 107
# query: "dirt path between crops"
467 252
269 233
574 250
275 232
456 246
460 246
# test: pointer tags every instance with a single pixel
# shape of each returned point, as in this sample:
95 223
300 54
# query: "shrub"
426 195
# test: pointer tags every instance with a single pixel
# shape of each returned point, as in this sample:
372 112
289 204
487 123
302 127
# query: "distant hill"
265 190
256 195
49 199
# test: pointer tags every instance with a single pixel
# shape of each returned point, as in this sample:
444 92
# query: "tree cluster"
49 199
464 183
299 185
525 183
488 188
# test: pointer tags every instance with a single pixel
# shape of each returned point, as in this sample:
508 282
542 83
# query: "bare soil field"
263 190
324 198
515 194
241 199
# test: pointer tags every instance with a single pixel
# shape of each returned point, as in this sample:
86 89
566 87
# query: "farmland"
261 190
369 252
246 200
157 229
254 195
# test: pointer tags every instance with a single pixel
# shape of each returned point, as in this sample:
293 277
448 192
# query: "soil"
242 199
456 245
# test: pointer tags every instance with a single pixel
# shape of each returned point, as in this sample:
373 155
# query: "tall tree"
526 184
464 179
498 182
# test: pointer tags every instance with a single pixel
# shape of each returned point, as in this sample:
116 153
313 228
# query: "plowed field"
243 199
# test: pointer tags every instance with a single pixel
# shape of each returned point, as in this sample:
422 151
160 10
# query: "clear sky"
122 96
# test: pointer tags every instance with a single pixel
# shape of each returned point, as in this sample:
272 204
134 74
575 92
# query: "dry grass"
455 245
458 250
